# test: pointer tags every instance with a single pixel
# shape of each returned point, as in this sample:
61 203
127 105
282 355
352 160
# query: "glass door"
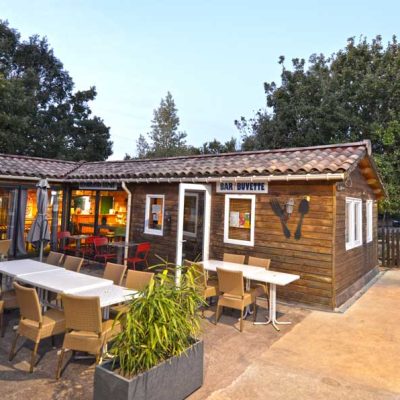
194 216
193 226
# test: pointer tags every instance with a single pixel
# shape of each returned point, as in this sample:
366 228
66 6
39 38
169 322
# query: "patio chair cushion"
228 300
91 342
211 289
53 324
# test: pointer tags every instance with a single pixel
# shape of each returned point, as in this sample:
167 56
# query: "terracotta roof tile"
297 161
16 165
308 160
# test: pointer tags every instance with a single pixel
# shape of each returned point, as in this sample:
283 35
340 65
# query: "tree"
164 139
216 147
352 95
40 115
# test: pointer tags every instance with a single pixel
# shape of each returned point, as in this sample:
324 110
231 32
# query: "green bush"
162 322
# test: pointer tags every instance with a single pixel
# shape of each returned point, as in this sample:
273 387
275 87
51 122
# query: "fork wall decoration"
283 214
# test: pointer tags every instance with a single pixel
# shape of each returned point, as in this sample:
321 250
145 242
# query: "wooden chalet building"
312 211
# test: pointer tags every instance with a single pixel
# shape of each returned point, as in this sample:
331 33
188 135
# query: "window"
239 219
353 223
154 218
190 212
369 215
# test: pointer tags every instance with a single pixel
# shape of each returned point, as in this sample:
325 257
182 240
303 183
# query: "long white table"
48 278
23 267
16 268
64 281
259 274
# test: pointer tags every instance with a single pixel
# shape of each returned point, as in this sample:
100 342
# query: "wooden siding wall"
352 265
165 245
310 257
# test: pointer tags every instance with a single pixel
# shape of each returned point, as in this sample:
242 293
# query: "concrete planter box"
173 379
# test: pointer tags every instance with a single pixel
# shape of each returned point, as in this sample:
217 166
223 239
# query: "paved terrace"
354 355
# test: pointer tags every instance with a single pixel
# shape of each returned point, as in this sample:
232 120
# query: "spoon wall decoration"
304 207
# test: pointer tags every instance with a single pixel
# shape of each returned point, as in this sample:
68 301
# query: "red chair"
62 239
101 250
141 253
87 248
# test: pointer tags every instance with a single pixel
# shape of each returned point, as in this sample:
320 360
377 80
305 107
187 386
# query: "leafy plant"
162 322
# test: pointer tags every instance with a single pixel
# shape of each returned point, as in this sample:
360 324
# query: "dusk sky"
213 56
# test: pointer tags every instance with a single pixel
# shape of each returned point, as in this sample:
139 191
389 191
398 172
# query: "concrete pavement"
355 355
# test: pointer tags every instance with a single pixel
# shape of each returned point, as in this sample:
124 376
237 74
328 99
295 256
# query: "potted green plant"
157 355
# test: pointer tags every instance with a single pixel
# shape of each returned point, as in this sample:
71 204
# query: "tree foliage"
352 95
40 115
164 139
216 147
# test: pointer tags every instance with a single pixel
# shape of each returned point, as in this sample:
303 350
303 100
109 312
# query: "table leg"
77 247
247 311
120 251
106 312
272 310
8 281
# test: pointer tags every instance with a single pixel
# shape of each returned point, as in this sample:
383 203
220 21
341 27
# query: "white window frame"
228 197
193 234
147 229
350 221
369 213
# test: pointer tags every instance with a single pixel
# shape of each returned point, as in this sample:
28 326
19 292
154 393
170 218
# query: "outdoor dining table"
78 239
259 274
49 278
17 268
120 246
62 281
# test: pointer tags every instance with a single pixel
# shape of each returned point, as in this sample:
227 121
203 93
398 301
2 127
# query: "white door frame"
183 187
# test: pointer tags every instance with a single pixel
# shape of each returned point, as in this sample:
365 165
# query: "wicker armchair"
54 258
85 330
234 258
114 272
33 324
4 248
72 263
208 288
260 287
135 280
233 295
9 300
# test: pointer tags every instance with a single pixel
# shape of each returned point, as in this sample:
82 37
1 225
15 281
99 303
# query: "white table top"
109 295
252 272
17 268
63 281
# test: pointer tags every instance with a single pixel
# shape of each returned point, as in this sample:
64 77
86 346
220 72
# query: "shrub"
162 322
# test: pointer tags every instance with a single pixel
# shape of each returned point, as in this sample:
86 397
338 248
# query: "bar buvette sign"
242 187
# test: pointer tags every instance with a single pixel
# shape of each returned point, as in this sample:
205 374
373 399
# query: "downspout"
128 221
